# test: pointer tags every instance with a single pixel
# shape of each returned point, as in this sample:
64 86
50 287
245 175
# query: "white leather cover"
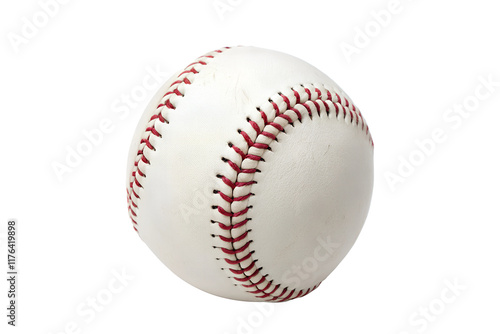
250 175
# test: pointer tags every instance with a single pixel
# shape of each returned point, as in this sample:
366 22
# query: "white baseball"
250 175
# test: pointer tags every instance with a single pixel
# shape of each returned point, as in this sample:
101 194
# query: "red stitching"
228 182
339 100
132 195
247 278
308 92
318 108
246 137
253 285
308 109
275 106
286 117
227 228
318 92
160 117
239 272
241 237
297 96
287 101
299 115
263 115
251 271
269 135
148 144
236 251
329 95
268 294
140 172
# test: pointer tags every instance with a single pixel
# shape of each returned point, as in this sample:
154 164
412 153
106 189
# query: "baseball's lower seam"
312 99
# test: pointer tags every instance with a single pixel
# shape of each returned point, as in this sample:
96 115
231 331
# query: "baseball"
250 175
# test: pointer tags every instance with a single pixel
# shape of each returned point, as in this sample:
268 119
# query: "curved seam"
167 102
252 273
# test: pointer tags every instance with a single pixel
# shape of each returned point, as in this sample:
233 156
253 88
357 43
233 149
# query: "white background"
437 226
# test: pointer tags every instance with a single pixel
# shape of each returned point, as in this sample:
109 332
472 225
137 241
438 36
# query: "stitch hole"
258 171
239 131
248 119
219 176
213 235
215 207
230 144
216 191
224 159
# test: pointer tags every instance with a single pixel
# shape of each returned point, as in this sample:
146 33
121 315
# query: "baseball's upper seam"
168 102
